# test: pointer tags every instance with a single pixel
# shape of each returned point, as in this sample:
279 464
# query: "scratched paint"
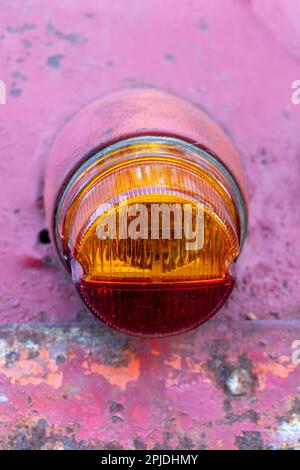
65 380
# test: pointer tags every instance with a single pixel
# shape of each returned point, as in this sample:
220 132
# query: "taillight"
145 197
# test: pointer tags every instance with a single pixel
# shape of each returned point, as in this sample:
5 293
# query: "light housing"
139 153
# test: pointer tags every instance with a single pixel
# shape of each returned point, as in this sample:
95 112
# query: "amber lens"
149 228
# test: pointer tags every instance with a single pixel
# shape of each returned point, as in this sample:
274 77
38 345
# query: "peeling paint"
281 368
119 376
24 370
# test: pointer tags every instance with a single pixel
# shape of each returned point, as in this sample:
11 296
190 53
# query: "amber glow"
149 173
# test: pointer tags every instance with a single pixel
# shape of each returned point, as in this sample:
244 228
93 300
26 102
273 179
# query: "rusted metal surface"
65 380
223 386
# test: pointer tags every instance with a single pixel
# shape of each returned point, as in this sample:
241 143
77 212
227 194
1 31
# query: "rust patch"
235 380
250 440
31 365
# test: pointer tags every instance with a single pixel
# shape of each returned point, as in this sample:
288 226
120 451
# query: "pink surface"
237 59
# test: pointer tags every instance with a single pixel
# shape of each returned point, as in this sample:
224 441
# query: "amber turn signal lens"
149 221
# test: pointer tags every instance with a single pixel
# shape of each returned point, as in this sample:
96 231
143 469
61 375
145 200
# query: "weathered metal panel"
227 385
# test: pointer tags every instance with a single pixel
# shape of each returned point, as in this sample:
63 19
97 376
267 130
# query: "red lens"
155 310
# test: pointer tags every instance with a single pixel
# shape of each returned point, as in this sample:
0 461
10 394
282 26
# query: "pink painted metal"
66 382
